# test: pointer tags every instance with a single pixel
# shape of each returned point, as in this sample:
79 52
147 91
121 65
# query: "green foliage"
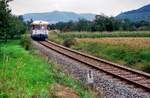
17 28
104 23
83 25
10 26
101 23
147 68
25 75
129 57
4 18
26 41
70 42
53 36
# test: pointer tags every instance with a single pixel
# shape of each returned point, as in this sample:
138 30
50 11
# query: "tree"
10 26
17 27
69 26
20 18
99 23
83 25
4 18
28 24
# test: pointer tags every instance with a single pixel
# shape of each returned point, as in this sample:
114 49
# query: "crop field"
24 74
130 42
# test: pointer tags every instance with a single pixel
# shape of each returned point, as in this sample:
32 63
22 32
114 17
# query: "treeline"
10 26
101 23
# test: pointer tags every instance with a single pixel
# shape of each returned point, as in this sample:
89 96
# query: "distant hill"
142 13
57 16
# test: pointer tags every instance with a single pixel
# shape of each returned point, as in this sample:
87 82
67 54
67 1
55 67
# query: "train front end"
39 30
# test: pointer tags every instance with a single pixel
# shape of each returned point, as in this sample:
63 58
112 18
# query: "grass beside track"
138 58
129 48
24 74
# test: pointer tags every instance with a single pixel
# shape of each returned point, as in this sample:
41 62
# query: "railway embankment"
111 86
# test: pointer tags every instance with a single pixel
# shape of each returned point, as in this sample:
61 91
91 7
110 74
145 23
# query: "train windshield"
39 27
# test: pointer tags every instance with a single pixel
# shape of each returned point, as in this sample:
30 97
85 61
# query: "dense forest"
10 26
101 23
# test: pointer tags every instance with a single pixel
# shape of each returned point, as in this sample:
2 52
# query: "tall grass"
24 75
132 42
104 34
135 58
55 38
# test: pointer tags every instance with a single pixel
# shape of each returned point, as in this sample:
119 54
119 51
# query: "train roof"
39 22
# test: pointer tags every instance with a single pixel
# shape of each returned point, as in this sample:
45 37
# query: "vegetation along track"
137 78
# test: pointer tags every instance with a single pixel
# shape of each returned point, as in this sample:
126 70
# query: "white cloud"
108 7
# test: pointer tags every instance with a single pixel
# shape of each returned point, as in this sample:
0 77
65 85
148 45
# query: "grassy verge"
134 58
24 74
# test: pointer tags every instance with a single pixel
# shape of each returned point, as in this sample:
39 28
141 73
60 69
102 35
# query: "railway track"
131 76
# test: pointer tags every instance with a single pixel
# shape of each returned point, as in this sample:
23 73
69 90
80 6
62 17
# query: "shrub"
69 42
26 41
54 38
1 52
147 68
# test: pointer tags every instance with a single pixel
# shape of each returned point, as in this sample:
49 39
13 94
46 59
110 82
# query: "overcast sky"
108 7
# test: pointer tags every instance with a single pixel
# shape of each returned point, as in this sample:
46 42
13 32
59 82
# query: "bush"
26 41
54 38
70 42
1 53
147 68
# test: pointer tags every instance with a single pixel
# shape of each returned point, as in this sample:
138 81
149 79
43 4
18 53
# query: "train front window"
43 27
38 27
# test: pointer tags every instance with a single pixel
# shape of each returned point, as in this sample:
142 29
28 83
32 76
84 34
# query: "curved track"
137 78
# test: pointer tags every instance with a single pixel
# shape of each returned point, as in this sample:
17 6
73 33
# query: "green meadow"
25 74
